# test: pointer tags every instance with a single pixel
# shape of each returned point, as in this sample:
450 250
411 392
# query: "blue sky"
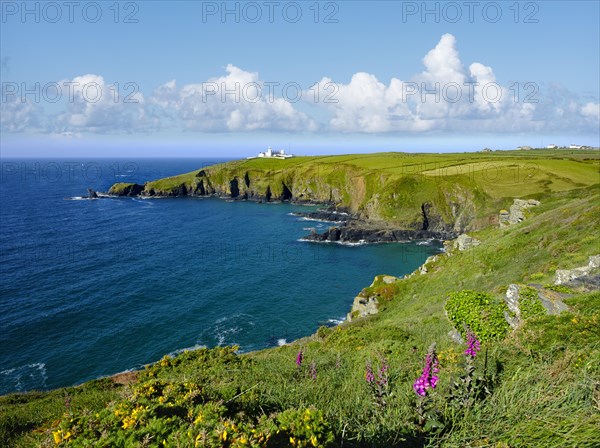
533 70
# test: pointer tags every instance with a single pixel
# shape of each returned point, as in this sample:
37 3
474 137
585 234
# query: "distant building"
269 153
552 146
486 150
524 148
576 147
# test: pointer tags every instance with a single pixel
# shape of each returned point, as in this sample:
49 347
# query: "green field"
499 173
460 189
540 383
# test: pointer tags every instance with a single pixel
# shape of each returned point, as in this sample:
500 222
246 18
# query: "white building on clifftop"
275 154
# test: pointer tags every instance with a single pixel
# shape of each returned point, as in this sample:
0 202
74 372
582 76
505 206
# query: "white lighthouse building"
281 154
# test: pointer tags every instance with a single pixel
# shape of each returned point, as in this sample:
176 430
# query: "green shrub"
560 288
481 312
529 303
323 332
303 428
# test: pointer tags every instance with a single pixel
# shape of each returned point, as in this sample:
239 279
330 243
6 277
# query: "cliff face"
412 202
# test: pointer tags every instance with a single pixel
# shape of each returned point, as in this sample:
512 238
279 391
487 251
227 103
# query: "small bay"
95 287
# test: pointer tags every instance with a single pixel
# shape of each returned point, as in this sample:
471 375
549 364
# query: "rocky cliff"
424 206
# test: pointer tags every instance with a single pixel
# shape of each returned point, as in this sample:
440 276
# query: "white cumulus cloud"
92 105
236 101
446 96
18 114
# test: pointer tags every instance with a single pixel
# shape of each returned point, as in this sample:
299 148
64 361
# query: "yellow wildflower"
224 435
292 441
128 422
165 362
57 436
313 440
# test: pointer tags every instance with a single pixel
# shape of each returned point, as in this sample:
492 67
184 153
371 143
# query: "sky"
195 78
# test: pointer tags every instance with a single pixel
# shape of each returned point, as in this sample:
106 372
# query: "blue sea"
90 288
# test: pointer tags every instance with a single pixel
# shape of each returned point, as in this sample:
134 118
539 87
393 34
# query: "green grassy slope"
543 378
459 189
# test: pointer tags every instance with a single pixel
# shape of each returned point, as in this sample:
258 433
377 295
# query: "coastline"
128 375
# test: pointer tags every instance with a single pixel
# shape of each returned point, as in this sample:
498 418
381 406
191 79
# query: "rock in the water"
328 215
92 193
372 233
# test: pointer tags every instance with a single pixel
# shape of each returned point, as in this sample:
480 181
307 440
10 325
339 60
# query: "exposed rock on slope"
367 301
465 242
517 212
580 276
551 301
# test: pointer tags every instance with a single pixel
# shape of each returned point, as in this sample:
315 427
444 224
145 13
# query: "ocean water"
95 287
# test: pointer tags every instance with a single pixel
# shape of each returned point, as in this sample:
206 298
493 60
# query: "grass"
543 378
392 187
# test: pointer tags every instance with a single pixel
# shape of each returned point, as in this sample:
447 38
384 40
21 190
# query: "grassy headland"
539 385
458 191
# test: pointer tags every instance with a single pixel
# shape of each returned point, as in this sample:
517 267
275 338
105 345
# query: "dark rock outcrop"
367 234
126 190
328 215
234 188
286 194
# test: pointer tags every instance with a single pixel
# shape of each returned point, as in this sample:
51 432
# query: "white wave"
359 243
306 218
186 349
336 321
341 243
79 198
424 243
281 342
226 329
24 378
